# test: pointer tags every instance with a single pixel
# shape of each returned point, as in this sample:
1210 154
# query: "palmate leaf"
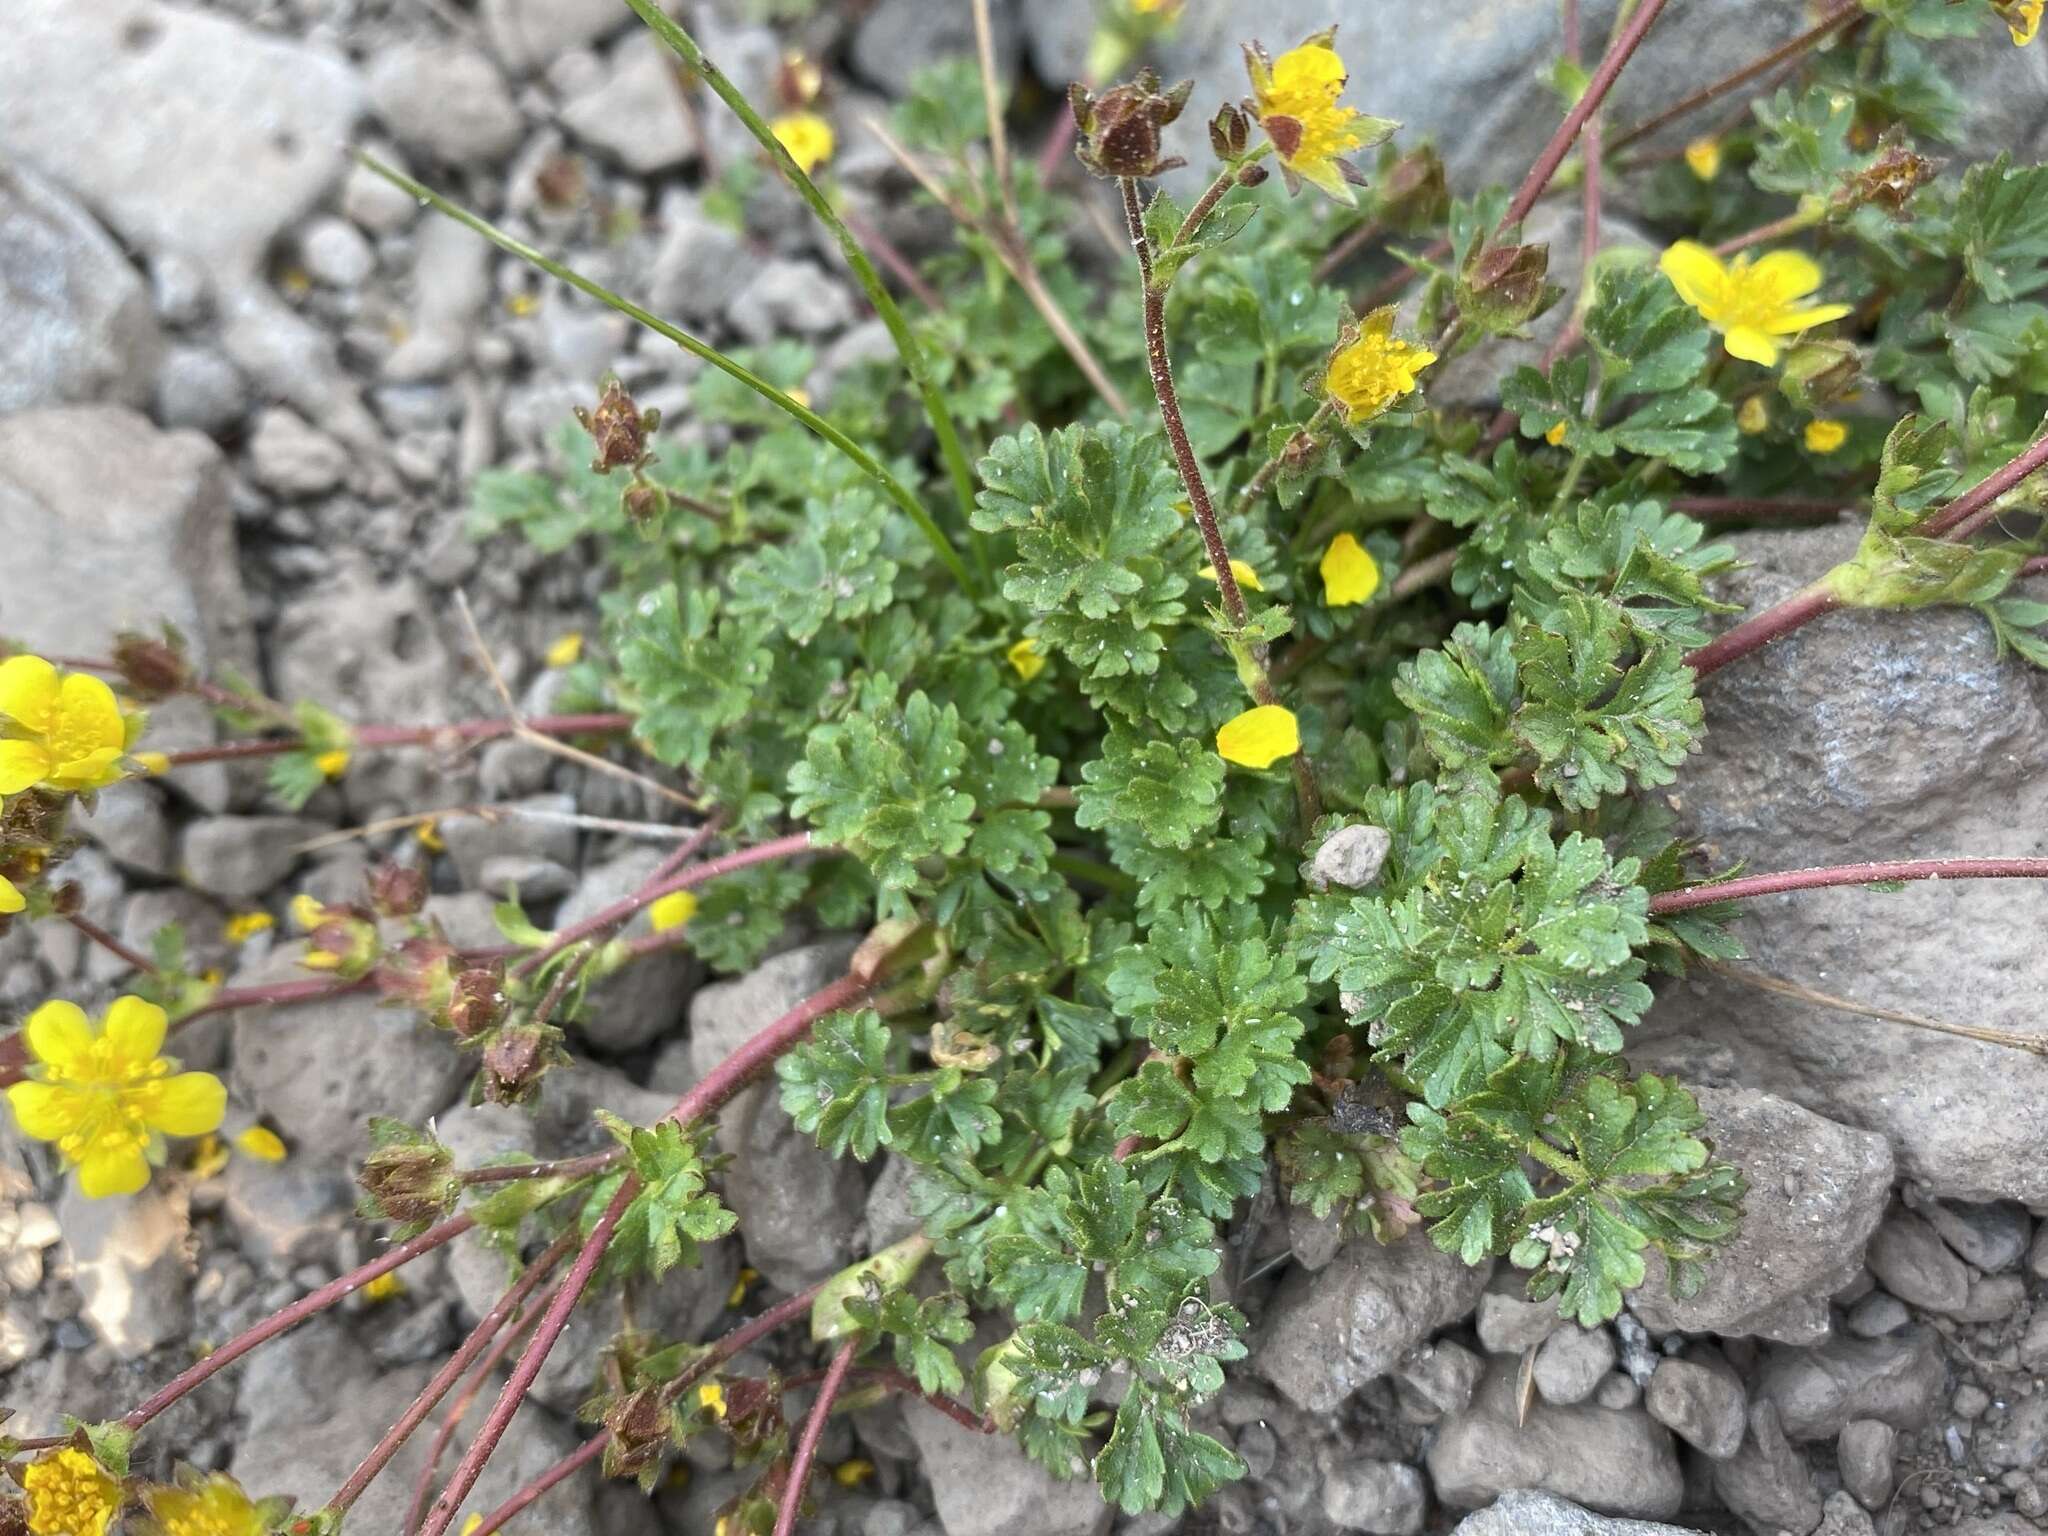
2000 228
1165 792
1155 1461
831 571
835 1085
674 1210
1649 561
1462 695
689 670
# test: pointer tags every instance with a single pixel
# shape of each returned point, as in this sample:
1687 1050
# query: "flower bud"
644 503
1252 175
1413 193
1816 374
397 890
618 427
1501 287
1890 179
152 669
1120 129
517 1058
411 1181
477 1001
1230 130
639 1424
420 973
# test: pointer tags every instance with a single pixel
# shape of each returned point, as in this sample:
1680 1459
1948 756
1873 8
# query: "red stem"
1762 66
134 960
813 1432
458 1410
1847 874
1737 507
438 1386
1604 76
2035 567
1759 630
1973 509
740 1338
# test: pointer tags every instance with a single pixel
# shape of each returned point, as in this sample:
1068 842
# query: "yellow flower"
429 835
261 1143
212 1506
1555 435
742 1283
1246 576
1825 436
65 732
307 912
244 926
11 900
711 1398
333 764
1350 574
153 763
1027 658
522 306
1753 415
1752 303
566 651
851 1474
341 939
807 137
672 910
1375 368
1260 737
2023 19
107 1097
69 1494
1296 99
1704 157
386 1287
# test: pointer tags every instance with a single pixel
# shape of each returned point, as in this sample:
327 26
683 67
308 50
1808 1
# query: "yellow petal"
307 912
95 770
29 691
1825 436
153 762
190 1104
1792 321
1696 272
1789 274
89 714
1703 157
59 1036
1311 67
1026 658
135 1029
1751 345
1260 737
22 763
566 651
112 1170
1350 574
807 137
672 910
11 900
45 1111
261 1143
333 764
1246 576
2024 21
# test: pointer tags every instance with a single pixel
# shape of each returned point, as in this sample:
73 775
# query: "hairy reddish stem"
439 1385
1974 508
1604 76
813 1432
1847 874
457 1411
1762 509
133 959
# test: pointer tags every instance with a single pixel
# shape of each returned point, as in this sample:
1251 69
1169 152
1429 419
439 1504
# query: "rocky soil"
245 388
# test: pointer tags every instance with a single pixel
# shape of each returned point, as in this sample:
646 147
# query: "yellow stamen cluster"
214 1507
1296 96
64 732
69 1494
1374 369
106 1096
1751 303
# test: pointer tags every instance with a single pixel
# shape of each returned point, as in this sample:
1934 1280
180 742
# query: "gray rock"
2033 1344
1816 1191
1618 1391
1943 745
984 1485
80 326
198 388
474 841
645 1000
293 458
288 1213
445 102
320 1074
634 112
132 829
1620 1462
451 281
1992 1298
241 857
1863 1452
1328 1334
1898 1379
1443 1374
1387 1498
1522 1512
1572 1362
250 126
1350 857
333 253
128 1259
23 1335
529 879
375 204
1913 1263
1766 1481
2021 1441
785 298
1842 1516
800 1211
2037 1255
897 38
1992 1237
1877 1315
324 1404
527 34
1509 1322
1702 1405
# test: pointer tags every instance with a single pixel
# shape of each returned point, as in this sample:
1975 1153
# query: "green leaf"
2001 228
953 1119
832 570
1462 695
688 671
1163 792
835 1085
674 1211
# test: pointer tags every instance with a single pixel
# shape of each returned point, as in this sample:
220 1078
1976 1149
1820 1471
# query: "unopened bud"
397 890
1501 287
516 1060
639 1424
412 1183
1818 373
618 427
1252 175
152 669
645 503
477 1001
1120 129
1230 130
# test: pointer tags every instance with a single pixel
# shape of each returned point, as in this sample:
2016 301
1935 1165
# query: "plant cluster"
1243 766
